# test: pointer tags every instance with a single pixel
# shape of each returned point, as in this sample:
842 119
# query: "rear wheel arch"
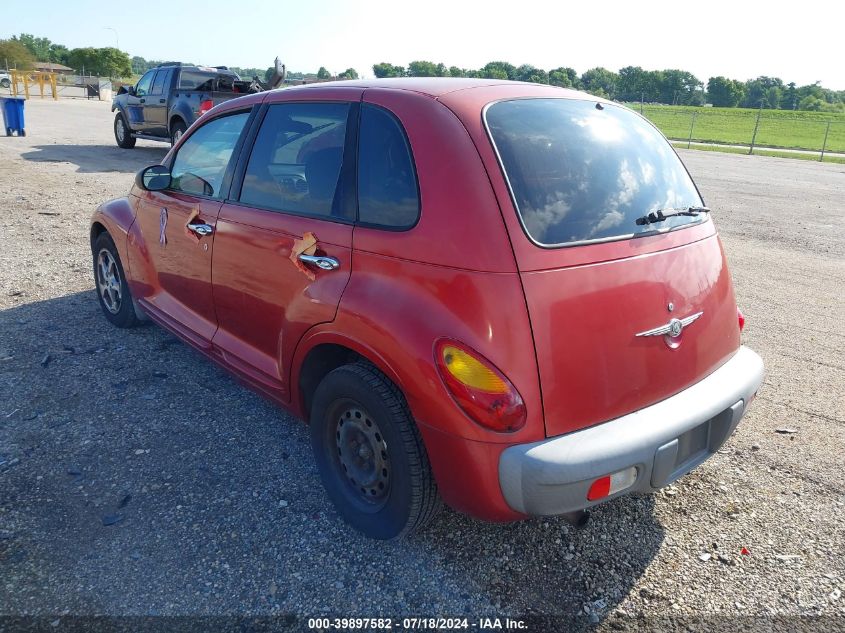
321 357
176 119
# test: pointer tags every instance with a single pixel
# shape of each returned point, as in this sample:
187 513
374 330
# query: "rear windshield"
579 172
205 81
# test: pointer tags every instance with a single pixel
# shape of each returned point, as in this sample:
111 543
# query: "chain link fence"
766 131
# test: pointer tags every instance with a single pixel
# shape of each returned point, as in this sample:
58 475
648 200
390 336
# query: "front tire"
122 133
5 83
111 285
370 454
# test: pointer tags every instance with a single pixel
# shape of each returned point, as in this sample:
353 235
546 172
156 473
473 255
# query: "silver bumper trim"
553 476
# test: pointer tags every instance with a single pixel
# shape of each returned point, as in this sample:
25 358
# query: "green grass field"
778 128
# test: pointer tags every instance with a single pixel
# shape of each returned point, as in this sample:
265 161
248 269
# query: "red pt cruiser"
507 295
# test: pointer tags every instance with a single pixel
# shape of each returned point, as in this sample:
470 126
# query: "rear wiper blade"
662 214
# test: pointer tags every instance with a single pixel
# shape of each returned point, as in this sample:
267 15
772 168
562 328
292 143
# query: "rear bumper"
663 441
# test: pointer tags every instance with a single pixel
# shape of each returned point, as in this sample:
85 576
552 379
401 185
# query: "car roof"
437 87
459 94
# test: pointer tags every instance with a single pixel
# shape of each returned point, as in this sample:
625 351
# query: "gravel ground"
138 479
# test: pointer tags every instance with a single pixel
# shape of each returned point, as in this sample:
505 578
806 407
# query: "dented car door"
283 241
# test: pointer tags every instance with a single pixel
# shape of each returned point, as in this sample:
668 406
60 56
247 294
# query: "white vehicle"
5 80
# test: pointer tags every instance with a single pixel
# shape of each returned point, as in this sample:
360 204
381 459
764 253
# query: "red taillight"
611 484
205 106
740 317
479 389
599 489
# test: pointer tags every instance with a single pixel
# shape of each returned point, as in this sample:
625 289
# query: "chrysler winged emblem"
674 328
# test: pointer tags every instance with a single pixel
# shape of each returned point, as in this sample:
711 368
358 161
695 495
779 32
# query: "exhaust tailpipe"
579 519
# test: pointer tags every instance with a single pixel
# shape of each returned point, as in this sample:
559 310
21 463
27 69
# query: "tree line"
24 50
633 83
629 84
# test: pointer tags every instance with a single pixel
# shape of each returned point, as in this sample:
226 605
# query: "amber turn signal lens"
470 371
479 389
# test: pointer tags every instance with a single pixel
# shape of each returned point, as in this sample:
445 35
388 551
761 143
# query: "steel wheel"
362 456
177 134
369 453
120 131
108 281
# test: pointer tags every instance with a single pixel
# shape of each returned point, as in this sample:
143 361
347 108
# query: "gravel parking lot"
138 479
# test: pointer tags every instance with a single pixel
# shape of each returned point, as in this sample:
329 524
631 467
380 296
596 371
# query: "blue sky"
738 39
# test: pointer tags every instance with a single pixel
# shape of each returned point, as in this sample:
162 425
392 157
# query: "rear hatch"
597 282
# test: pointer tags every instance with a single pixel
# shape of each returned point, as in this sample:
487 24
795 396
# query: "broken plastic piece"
193 216
306 246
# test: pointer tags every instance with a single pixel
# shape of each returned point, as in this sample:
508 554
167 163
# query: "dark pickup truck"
171 96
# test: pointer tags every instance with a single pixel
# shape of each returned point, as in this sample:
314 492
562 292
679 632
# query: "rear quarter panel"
392 313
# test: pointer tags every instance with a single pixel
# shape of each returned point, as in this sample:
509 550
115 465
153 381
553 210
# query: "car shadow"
545 569
137 477
98 158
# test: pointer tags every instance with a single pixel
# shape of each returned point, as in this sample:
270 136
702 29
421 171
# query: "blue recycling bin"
13 115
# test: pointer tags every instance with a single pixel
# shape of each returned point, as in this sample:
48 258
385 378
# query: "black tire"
5 83
177 129
122 133
114 298
409 499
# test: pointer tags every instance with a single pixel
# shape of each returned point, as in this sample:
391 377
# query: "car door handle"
201 229
143 100
161 100
320 261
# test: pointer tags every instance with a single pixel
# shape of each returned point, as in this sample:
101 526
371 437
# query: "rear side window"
161 82
296 160
582 173
201 163
387 183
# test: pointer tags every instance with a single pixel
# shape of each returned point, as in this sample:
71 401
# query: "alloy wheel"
108 281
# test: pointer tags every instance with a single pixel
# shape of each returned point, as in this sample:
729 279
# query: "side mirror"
153 178
130 90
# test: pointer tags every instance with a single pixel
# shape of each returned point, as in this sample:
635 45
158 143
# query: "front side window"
201 163
144 83
579 172
387 182
296 160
